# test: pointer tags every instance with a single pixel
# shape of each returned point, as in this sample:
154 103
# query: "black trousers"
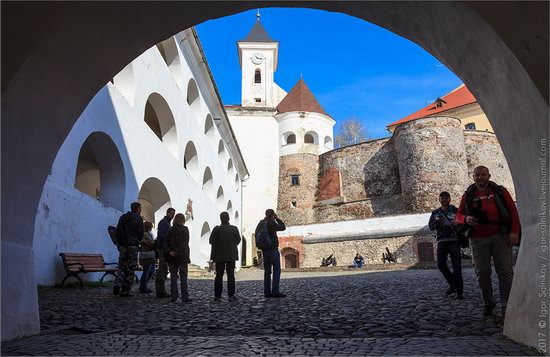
218 281
453 278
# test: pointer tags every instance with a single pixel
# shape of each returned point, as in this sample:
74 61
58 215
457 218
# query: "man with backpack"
494 227
267 241
443 220
129 235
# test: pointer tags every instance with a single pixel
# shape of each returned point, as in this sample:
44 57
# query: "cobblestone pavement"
375 313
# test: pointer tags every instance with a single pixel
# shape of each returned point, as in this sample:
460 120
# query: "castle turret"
432 158
304 126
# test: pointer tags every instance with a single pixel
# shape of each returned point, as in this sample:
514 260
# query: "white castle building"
158 134
270 123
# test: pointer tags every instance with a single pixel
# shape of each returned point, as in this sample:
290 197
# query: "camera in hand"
480 215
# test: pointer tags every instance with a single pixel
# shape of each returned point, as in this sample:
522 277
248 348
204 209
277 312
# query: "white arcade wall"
149 135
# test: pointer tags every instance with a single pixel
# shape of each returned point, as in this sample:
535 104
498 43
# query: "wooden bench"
76 263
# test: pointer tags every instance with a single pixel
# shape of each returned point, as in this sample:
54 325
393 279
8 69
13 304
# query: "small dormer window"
439 103
470 126
258 76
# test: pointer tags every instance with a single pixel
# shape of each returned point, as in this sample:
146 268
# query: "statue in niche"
189 210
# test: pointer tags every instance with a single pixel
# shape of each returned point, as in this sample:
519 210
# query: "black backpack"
263 238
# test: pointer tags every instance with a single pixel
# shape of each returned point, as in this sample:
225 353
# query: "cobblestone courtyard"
347 313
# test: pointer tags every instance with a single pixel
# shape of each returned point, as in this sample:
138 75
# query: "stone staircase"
196 272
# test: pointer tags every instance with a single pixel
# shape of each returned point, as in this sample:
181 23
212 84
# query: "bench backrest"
88 260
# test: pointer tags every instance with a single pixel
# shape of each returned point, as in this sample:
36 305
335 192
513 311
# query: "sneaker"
146 291
278 295
186 300
217 299
488 310
163 295
459 296
268 295
232 298
450 290
116 290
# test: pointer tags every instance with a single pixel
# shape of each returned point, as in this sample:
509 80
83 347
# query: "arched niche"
205 239
154 199
170 54
209 126
221 149
229 165
99 171
160 120
191 160
289 138
229 208
193 98
220 198
328 142
208 182
311 137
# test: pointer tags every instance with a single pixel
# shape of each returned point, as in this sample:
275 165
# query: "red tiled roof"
457 98
300 99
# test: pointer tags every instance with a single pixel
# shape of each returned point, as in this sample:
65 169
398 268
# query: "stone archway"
507 70
290 258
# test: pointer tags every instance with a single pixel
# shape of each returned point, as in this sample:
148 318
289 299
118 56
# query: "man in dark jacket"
176 249
162 272
224 240
443 220
129 235
271 255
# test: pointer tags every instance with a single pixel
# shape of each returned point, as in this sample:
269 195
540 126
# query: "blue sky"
354 68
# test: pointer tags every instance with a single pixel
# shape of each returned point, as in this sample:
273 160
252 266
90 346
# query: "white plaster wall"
295 123
71 221
362 228
257 137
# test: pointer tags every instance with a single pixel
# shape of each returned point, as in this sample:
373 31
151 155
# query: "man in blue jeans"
271 256
444 221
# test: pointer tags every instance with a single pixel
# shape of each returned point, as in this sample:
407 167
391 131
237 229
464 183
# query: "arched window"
311 137
100 171
209 125
257 76
154 199
208 182
229 165
191 160
169 52
289 138
328 142
470 126
192 93
220 199
221 149
160 120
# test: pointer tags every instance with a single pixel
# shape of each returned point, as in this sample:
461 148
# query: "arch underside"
39 69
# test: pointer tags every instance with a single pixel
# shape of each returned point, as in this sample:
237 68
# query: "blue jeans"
453 278
148 271
358 264
271 258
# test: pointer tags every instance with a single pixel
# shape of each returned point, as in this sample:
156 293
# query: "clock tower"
258 62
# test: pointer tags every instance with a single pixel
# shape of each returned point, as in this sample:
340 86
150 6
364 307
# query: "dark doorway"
426 252
291 261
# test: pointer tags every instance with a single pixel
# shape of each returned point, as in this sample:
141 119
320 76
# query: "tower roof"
300 99
257 34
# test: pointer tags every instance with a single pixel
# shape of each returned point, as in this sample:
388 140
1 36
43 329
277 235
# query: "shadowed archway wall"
53 65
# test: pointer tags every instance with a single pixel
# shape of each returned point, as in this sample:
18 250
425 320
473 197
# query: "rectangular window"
258 100
294 180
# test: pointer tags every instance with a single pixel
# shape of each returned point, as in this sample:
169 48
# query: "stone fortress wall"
400 175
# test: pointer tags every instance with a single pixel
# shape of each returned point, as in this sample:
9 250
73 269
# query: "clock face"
257 58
